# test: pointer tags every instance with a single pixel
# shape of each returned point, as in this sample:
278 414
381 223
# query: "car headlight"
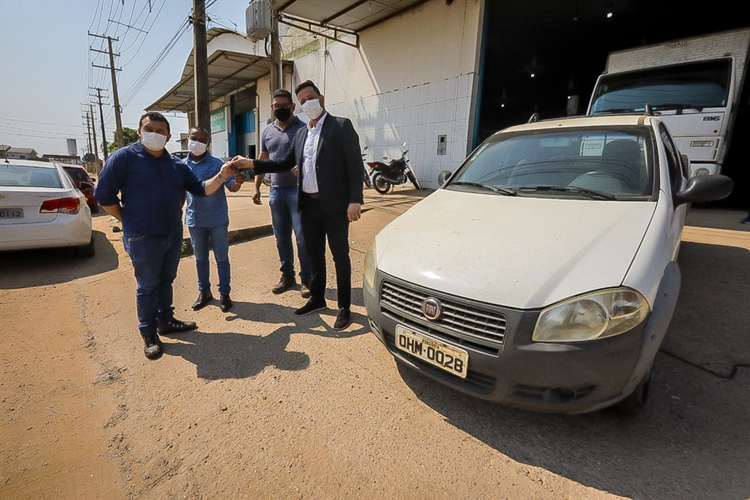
592 316
371 266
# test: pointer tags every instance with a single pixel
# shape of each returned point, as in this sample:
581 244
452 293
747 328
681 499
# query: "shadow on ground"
29 268
242 355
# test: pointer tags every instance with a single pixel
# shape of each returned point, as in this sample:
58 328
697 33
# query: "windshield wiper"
570 189
679 107
494 189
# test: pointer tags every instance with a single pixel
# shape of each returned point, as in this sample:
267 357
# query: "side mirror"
705 188
443 176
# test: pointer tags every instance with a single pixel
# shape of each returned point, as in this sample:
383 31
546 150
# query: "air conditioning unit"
258 19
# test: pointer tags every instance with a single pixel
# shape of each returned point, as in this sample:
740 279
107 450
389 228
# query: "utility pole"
101 115
200 65
88 131
277 72
115 96
93 131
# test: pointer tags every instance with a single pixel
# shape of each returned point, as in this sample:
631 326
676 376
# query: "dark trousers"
316 227
155 260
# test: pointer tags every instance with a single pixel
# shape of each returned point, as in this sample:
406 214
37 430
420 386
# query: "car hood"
518 252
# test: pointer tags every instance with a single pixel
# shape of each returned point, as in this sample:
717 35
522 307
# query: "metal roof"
353 15
228 71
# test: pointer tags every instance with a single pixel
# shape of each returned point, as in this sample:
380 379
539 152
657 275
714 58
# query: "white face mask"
313 108
197 148
153 141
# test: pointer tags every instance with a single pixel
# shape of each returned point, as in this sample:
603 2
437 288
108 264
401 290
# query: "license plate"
11 213
440 354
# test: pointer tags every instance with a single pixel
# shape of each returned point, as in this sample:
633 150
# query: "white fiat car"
543 274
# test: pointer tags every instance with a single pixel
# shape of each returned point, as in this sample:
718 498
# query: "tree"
130 135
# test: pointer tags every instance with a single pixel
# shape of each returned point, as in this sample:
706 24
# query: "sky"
48 64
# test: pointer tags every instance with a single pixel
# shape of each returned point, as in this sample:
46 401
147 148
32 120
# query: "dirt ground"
259 404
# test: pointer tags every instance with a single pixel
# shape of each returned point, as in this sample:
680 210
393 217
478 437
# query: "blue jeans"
216 237
285 219
155 260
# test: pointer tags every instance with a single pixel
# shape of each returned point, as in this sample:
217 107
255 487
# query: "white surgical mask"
313 108
196 147
153 141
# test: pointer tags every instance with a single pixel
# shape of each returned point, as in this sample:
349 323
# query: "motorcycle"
368 181
392 172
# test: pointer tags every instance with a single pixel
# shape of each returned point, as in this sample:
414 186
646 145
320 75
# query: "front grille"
457 316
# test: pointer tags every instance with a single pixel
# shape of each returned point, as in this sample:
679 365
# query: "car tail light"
69 206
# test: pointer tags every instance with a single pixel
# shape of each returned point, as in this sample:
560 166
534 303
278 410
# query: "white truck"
694 84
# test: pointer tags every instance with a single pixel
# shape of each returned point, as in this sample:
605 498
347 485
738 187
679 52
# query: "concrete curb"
235 236
242 235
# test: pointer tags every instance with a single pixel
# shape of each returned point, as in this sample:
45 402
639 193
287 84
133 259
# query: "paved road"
259 404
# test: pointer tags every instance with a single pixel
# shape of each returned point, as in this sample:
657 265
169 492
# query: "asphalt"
715 225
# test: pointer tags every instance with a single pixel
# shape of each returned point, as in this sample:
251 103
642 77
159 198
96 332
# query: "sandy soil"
258 404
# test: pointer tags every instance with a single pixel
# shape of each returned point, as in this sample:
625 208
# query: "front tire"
368 181
632 404
380 184
413 179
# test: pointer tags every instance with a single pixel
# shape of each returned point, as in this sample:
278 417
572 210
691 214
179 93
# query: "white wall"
413 78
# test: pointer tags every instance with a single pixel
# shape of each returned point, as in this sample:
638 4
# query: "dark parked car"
84 183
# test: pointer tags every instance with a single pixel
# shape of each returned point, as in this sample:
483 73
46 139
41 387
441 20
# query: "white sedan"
543 274
40 207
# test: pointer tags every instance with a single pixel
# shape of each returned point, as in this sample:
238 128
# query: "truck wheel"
380 184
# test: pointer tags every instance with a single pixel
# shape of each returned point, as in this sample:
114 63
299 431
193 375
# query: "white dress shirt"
310 156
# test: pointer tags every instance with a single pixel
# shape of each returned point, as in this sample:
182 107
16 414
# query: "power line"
37 123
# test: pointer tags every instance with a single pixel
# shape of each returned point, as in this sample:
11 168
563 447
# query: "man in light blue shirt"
207 219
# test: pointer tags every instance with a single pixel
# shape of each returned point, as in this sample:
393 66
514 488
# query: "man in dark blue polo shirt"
143 186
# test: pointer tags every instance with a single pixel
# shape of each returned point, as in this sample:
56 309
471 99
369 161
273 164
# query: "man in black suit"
329 161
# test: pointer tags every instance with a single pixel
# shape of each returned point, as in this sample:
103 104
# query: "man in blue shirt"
143 186
207 219
275 141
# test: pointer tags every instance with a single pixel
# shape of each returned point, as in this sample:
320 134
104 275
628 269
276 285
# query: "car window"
22 175
614 161
77 174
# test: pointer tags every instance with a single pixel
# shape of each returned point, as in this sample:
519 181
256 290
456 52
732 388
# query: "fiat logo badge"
432 309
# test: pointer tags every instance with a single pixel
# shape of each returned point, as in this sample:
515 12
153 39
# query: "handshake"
243 166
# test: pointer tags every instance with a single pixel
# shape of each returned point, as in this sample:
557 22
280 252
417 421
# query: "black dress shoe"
202 300
176 326
343 319
225 303
310 307
152 349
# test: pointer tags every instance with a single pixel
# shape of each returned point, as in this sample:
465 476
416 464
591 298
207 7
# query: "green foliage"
130 135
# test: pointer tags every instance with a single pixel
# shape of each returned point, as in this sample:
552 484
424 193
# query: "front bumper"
514 371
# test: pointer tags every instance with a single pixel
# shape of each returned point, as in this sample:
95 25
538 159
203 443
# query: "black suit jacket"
338 166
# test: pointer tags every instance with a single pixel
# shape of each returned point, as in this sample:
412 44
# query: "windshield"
678 87
593 163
